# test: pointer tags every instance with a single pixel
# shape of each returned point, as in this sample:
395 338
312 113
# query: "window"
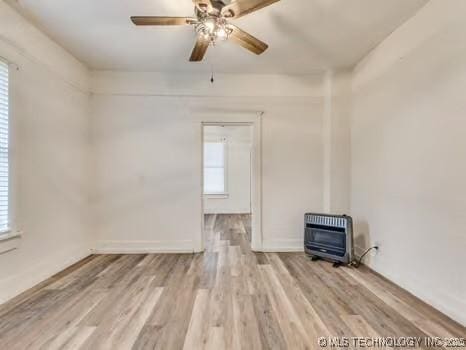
4 152
215 166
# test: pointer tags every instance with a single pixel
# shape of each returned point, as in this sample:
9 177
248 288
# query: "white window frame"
10 238
6 233
224 194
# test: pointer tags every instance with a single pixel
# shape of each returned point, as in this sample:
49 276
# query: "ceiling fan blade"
240 8
161 21
200 49
247 41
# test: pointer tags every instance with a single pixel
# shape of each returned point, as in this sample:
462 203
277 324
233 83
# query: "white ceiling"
305 36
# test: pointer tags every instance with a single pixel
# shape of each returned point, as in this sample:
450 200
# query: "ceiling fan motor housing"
217 4
213 8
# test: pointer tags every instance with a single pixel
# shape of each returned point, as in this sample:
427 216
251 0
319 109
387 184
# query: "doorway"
229 177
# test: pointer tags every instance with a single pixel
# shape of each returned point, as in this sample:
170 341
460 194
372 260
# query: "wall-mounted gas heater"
329 237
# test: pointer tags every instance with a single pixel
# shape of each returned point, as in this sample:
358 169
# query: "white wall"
238 153
336 133
50 156
409 156
147 152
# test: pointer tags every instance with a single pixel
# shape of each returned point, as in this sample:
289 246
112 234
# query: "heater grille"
333 221
329 236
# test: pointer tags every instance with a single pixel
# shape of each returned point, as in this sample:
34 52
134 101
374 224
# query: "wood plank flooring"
225 298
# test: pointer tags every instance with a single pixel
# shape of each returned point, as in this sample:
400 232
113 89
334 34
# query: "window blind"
214 167
4 153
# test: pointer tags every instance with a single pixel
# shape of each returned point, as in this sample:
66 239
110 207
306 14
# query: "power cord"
357 263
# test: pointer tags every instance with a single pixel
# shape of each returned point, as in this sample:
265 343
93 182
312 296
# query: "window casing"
215 166
4 149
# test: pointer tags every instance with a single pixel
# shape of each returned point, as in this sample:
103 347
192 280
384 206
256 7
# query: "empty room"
232 174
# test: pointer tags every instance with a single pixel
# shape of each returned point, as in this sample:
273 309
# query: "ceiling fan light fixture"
213 28
210 25
222 34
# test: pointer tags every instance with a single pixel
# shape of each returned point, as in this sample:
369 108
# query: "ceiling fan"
211 23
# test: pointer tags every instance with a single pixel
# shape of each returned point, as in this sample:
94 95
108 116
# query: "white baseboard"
14 285
144 247
282 245
437 297
186 246
221 211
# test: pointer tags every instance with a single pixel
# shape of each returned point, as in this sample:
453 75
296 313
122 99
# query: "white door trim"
247 119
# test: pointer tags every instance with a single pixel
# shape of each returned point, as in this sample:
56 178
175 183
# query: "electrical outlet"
376 251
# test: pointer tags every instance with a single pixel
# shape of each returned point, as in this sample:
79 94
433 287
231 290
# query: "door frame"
253 120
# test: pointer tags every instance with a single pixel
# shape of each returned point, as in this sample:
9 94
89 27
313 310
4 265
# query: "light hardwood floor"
226 298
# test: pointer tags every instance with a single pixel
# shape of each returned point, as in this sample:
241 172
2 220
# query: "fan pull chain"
212 79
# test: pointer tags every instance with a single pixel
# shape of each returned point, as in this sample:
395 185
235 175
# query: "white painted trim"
144 247
223 211
253 119
283 245
11 170
18 283
216 195
439 298
9 241
7 235
189 85
14 151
